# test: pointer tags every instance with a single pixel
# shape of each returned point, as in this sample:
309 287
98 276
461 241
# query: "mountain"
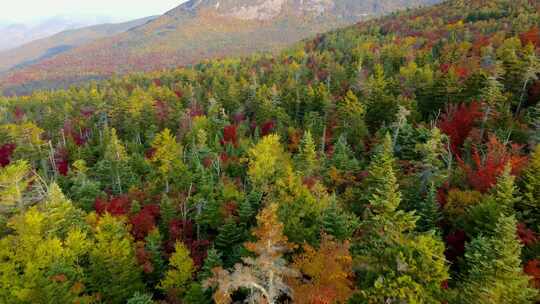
393 161
201 29
16 34
44 48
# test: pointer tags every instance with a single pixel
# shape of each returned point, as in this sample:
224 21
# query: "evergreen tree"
338 223
153 245
114 166
246 212
343 157
502 199
531 180
229 240
167 157
14 180
494 268
213 260
397 264
429 212
83 190
140 298
113 271
308 155
351 113
177 278
378 174
505 193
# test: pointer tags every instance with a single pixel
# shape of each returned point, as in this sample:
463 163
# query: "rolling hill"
196 30
44 48
13 35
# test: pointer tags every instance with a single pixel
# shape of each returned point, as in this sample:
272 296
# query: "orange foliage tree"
327 273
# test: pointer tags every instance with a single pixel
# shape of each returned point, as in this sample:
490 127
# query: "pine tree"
338 223
502 199
308 155
531 180
505 193
351 113
213 260
181 269
153 245
343 157
246 212
495 274
113 271
228 241
379 176
114 166
83 191
435 162
14 180
140 298
429 212
167 157
397 264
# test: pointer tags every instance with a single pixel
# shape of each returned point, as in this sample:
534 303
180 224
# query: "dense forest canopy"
395 161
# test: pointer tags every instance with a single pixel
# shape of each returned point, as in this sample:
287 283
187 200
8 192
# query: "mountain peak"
260 10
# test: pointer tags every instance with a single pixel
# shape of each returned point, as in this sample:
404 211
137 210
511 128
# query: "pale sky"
119 10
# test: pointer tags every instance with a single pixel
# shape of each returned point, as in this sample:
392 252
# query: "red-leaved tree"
6 150
483 173
458 122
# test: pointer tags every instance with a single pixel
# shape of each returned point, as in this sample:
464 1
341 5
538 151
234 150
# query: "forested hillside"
42 49
394 161
196 30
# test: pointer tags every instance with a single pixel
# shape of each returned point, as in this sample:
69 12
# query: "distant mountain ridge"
41 49
16 34
197 30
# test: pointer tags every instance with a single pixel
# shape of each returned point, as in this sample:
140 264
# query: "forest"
393 161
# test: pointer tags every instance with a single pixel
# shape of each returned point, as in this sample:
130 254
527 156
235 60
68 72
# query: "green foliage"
84 190
307 158
494 268
429 212
191 155
167 158
531 180
338 222
396 263
343 157
229 241
181 270
139 298
113 271
14 179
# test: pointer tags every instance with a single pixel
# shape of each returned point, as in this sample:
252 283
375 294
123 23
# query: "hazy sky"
119 10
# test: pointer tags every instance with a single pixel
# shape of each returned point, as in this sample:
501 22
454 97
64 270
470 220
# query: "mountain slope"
42 49
15 35
200 29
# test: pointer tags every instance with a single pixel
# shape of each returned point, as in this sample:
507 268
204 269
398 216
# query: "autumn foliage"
483 172
458 121
326 273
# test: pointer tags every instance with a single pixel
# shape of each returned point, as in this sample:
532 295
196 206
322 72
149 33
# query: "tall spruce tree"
531 180
396 263
495 274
